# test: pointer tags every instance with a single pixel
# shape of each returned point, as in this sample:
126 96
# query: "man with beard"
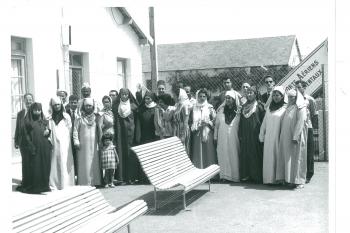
227 87
86 93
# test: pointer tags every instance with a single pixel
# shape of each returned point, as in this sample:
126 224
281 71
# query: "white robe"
62 165
84 135
270 134
294 127
227 146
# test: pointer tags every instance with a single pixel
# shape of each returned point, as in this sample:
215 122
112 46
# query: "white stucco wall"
95 32
100 35
41 28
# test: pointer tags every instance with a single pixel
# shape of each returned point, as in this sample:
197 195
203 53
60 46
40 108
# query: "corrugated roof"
265 51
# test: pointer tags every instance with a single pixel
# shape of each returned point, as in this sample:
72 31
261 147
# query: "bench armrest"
115 220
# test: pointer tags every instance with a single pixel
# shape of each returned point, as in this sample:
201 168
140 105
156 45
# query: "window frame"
19 55
71 67
124 74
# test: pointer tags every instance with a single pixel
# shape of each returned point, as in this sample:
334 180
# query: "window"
121 73
75 73
18 74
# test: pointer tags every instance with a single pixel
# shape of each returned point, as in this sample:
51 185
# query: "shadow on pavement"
169 203
267 187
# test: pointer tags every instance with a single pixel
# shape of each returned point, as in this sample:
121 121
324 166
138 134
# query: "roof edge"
224 67
208 41
134 25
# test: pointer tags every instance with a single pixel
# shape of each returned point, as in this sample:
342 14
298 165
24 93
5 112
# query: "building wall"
104 39
43 50
98 33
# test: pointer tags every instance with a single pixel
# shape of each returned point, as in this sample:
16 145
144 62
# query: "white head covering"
235 95
292 92
61 90
89 101
231 93
197 103
143 91
183 97
86 85
300 101
54 100
280 89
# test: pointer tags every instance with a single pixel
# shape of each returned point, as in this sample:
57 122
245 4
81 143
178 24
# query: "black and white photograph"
189 116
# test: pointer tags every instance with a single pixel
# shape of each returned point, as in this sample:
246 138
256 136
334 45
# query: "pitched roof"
265 51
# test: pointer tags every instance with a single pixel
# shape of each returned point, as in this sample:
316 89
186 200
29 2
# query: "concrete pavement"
230 207
234 207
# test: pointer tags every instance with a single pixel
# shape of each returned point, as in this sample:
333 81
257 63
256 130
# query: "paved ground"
230 207
234 208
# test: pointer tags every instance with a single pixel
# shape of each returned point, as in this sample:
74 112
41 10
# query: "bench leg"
155 198
184 202
129 229
209 185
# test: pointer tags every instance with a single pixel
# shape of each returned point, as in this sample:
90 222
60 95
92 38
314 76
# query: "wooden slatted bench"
83 212
167 165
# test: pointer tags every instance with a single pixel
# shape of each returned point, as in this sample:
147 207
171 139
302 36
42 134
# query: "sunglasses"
268 81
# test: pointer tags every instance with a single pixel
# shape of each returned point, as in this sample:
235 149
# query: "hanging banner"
309 70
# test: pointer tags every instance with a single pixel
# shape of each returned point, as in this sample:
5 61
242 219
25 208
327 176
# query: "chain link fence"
212 79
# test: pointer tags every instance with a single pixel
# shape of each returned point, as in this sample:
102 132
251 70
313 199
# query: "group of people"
262 140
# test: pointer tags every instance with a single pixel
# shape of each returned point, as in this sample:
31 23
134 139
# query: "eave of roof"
134 26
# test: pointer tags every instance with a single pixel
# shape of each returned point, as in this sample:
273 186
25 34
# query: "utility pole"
325 114
153 51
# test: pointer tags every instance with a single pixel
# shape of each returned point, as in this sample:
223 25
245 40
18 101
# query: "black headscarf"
149 94
35 106
167 100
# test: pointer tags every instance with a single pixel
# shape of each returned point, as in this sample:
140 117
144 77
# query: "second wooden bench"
167 165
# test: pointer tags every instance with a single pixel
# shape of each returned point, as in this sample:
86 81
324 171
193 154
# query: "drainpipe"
65 42
153 51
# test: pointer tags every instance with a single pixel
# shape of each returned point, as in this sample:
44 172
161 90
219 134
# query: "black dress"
40 157
126 131
147 130
147 125
251 149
